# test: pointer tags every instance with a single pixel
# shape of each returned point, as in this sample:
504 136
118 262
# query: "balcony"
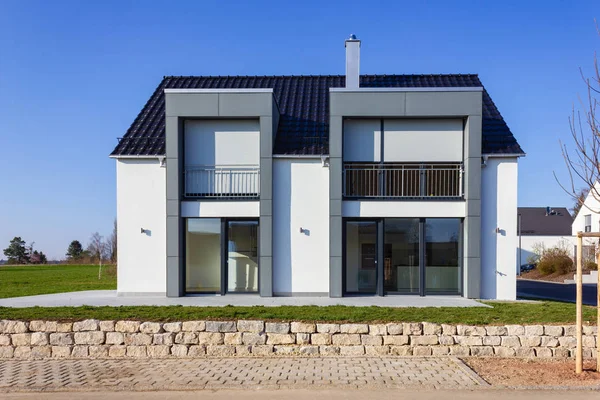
403 181
223 182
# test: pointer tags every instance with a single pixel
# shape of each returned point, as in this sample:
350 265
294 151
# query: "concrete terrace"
110 298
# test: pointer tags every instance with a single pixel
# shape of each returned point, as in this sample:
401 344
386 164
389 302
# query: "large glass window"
442 256
361 257
203 255
242 262
401 260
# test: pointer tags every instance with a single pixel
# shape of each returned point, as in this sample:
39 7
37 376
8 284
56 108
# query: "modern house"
545 227
318 185
588 220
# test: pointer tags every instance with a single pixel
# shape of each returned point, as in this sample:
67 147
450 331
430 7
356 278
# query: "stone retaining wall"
99 339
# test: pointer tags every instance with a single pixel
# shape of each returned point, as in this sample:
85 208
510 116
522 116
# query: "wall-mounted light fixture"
325 160
142 230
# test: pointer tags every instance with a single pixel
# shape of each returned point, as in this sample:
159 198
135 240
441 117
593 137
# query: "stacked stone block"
102 339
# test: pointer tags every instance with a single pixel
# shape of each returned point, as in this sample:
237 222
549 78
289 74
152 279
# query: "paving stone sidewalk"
231 373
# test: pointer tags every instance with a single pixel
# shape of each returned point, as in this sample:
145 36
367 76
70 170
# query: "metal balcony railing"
403 181
239 181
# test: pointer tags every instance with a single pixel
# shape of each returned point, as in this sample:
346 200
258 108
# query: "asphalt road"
555 291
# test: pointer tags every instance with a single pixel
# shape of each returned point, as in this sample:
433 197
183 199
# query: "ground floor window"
402 256
221 255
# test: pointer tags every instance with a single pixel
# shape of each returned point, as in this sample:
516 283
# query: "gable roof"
304 106
535 222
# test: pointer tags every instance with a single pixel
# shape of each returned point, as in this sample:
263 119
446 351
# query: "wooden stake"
579 307
598 311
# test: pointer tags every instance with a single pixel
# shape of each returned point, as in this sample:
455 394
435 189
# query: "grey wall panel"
266 178
266 207
192 104
173 208
172 137
335 208
173 189
266 137
182 106
472 281
335 277
472 178
266 231
436 104
173 272
443 103
335 228
335 178
335 140
265 276
245 104
473 145
472 245
367 104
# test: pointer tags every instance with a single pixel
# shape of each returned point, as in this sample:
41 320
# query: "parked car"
527 267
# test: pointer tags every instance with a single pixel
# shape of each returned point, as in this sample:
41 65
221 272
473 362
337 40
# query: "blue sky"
74 74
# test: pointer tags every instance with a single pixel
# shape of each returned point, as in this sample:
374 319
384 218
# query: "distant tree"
75 251
17 252
112 243
97 249
579 200
38 257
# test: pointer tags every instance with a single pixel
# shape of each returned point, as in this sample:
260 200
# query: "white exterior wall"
528 243
300 200
141 203
591 206
405 209
499 238
216 209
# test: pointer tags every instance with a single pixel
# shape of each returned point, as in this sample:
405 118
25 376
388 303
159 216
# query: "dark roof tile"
304 106
535 221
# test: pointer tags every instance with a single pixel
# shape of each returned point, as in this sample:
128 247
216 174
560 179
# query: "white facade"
499 239
216 209
527 250
300 202
590 208
408 209
141 205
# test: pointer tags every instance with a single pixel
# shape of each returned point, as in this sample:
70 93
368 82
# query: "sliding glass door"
401 263
203 255
361 257
221 255
242 256
403 256
442 255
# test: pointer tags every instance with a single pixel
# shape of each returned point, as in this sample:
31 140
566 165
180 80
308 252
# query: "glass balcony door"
221 256
361 257
242 256
203 255
402 261
403 256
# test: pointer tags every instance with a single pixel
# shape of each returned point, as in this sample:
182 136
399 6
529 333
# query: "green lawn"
501 313
43 279
29 280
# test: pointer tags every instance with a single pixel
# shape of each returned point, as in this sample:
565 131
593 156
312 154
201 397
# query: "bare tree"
583 160
112 243
97 249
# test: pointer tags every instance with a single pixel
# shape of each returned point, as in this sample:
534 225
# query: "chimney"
352 62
